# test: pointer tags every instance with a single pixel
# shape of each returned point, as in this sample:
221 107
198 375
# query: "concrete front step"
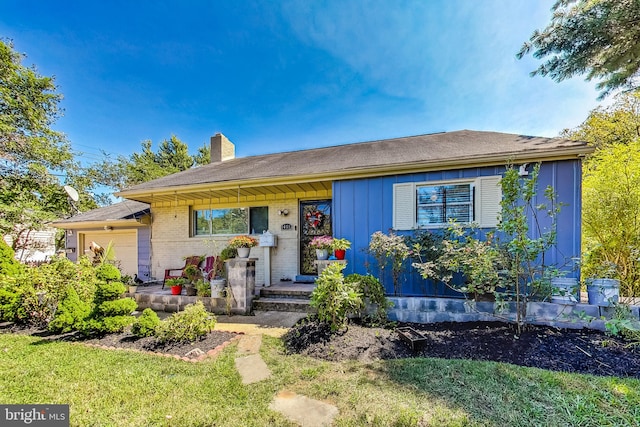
292 292
283 304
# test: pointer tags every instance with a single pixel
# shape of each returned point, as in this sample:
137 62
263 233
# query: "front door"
315 220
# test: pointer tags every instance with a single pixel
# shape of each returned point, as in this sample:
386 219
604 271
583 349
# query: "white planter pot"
322 254
217 286
565 290
603 291
243 252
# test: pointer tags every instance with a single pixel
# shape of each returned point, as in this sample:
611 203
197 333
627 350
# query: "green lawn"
119 388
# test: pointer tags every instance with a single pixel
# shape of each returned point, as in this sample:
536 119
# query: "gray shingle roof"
128 209
422 149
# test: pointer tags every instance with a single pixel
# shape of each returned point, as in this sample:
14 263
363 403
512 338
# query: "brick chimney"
221 148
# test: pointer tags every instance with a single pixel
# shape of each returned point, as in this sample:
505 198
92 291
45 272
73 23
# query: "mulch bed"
209 346
582 351
569 350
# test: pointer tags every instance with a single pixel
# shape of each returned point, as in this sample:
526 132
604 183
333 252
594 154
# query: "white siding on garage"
125 244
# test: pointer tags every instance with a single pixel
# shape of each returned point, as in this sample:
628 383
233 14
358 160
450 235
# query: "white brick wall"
170 241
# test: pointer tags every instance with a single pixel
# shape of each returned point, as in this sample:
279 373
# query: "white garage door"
125 245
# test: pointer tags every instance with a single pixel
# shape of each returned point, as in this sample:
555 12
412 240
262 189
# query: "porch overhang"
232 192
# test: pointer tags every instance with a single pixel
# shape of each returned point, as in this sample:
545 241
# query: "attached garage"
126 224
125 246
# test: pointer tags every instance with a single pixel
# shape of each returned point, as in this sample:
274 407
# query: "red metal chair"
177 273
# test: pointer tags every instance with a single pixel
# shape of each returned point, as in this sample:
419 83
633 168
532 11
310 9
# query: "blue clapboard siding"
363 206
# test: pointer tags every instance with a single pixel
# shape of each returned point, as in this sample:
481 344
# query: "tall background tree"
611 191
599 38
172 156
33 157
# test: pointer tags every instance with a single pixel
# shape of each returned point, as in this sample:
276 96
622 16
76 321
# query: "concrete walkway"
272 323
297 408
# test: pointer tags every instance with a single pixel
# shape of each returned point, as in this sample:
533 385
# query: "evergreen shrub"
146 325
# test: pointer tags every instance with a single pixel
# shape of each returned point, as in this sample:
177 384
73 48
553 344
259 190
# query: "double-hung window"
438 204
230 221
434 204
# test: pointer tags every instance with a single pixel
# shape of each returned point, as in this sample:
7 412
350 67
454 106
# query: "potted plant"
321 244
564 290
604 288
203 288
218 278
175 285
340 247
243 244
193 273
130 283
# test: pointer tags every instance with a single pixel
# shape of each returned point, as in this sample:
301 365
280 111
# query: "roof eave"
146 195
77 225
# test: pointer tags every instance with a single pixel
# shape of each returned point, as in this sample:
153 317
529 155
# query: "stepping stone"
303 410
252 369
249 344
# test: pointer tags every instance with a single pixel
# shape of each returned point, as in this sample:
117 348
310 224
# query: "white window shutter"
404 206
488 198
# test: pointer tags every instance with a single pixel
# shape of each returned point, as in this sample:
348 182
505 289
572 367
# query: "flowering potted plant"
321 244
340 247
242 244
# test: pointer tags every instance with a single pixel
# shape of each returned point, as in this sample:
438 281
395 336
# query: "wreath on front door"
314 219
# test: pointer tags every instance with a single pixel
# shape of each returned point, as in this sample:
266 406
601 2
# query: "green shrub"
109 291
39 292
119 307
107 272
115 324
333 298
8 264
106 325
71 313
110 313
188 325
8 305
147 324
81 275
375 301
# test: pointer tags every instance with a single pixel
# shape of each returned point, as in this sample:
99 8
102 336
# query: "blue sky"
280 76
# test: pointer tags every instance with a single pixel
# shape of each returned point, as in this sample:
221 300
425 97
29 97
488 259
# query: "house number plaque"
286 226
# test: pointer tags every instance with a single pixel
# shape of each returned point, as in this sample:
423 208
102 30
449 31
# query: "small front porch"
280 296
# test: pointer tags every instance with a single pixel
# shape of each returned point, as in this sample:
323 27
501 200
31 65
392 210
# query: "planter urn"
243 252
